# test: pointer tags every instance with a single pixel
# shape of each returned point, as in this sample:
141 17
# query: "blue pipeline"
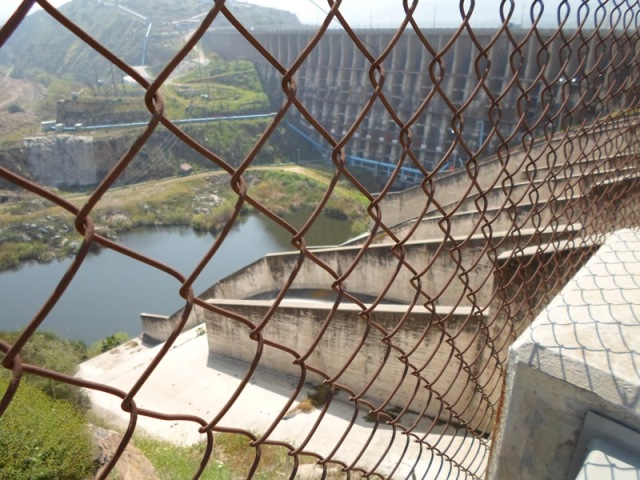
407 173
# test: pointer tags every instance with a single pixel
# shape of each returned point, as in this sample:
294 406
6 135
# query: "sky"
380 13
383 13
7 7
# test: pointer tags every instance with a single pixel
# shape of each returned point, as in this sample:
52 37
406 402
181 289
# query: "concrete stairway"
452 286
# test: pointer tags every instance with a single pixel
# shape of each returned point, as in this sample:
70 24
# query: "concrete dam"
459 95
515 150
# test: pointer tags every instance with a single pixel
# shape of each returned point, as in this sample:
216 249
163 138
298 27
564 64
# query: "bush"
15 108
42 438
112 341
47 350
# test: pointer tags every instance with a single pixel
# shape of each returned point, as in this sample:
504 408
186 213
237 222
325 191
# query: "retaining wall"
376 371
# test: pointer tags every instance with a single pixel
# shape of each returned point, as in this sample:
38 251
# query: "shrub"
42 438
47 350
15 108
112 341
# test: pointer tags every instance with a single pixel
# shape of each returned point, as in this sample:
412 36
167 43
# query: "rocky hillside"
47 73
42 47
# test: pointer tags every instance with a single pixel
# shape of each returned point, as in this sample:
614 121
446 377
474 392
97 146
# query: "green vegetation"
57 89
178 462
41 41
30 229
321 394
237 73
42 438
285 191
317 399
15 108
219 88
13 253
232 140
232 458
48 350
111 342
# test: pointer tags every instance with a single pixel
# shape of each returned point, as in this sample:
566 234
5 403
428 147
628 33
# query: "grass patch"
282 191
48 350
178 462
42 438
219 88
233 457
317 399
321 394
305 406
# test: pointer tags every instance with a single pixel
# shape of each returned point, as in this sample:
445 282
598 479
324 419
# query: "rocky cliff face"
64 160
61 161
77 161
13 159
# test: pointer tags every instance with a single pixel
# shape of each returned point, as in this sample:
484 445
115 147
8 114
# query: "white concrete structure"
192 379
582 354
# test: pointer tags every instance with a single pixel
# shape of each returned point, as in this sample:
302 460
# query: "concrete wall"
580 355
572 159
271 272
157 327
377 268
551 183
353 350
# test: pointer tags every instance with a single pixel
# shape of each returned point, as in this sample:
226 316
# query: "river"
110 290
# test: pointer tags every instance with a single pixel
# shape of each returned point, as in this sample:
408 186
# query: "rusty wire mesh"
456 266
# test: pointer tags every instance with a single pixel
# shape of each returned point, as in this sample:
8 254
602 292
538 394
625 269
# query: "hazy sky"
306 10
379 12
386 12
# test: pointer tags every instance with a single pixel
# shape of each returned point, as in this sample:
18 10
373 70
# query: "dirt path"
8 92
25 95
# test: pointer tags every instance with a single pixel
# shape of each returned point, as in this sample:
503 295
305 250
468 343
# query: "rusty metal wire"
542 124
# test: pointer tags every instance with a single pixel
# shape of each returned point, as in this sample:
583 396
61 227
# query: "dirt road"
25 95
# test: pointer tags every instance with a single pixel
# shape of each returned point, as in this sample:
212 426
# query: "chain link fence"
517 150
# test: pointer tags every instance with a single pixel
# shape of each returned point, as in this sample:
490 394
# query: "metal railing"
543 120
